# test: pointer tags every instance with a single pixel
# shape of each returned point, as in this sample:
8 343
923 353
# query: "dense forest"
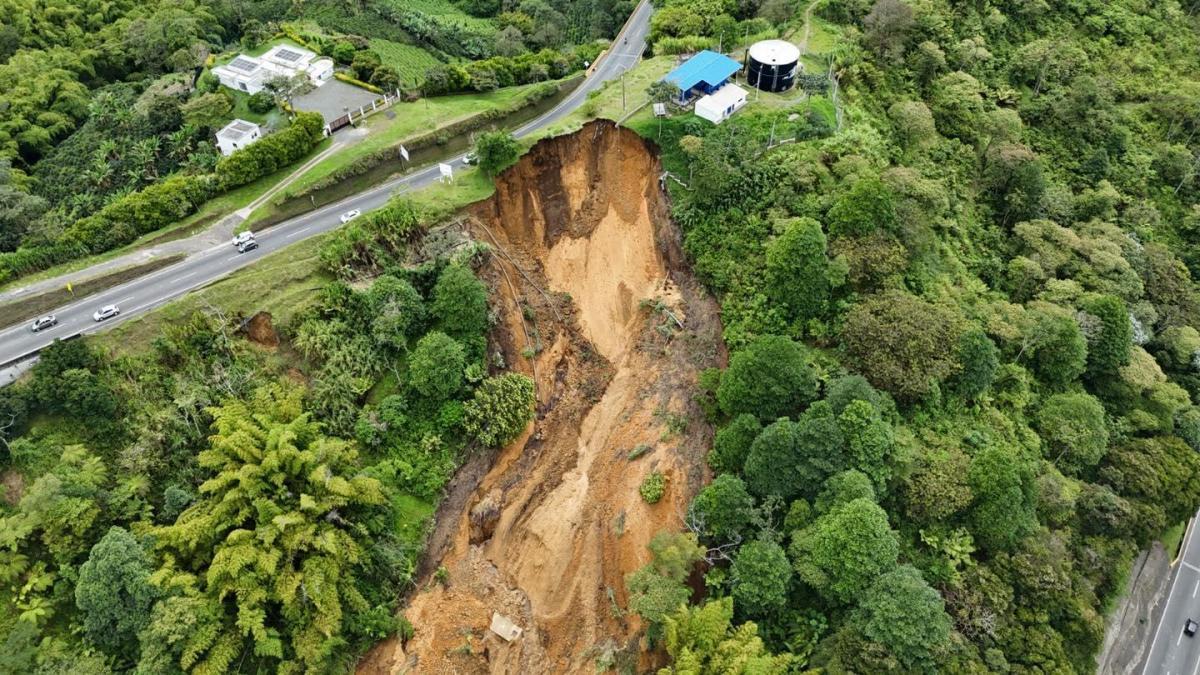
210 506
964 341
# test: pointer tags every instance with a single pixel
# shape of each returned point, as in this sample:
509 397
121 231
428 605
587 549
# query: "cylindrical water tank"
772 65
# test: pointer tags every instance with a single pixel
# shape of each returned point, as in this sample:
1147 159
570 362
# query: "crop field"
444 9
409 60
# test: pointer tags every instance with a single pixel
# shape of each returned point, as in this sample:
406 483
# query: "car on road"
43 323
247 246
1190 627
243 237
471 158
106 312
350 215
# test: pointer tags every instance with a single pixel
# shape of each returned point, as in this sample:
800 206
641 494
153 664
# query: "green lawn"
410 61
411 119
606 102
272 119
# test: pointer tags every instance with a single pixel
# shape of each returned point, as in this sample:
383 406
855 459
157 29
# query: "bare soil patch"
545 533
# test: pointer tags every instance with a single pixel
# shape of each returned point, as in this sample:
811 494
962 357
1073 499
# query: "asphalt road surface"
162 286
1172 652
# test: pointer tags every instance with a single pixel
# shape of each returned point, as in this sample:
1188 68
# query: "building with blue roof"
705 72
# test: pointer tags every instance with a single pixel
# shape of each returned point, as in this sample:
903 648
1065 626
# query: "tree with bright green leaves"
435 366
500 409
904 623
274 546
870 446
978 360
769 378
868 206
1053 346
846 389
657 589
732 443
1109 335
845 550
460 303
1073 431
497 151
114 594
901 343
761 575
1002 480
723 510
843 488
702 640
797 269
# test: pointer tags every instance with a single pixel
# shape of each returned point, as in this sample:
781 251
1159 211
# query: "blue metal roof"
707 66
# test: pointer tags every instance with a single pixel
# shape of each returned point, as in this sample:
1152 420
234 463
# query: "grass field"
410 61
411 119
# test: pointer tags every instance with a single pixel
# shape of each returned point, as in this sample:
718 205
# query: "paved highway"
162 286
1172 652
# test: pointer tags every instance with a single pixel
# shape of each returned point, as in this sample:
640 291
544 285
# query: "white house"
250 73
721 104
237 135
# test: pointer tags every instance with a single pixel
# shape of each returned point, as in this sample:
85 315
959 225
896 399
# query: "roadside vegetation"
961 392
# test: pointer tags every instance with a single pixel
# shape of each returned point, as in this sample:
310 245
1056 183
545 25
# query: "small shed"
704 73
237 135
721 104
504 627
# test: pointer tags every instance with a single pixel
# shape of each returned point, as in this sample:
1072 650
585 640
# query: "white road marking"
1196 588
1180 638
1191 566
297 233
125 299
1170 593
185 276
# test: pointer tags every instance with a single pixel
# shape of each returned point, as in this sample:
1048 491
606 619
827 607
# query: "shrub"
653 487
500 409
435 368
770 378
260 103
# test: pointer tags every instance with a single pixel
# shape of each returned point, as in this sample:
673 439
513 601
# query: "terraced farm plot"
409 60
444 9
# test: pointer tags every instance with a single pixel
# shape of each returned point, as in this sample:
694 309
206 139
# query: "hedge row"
358 83
155 206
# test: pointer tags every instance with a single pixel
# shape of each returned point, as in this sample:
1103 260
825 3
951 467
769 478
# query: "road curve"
152 290
1171 652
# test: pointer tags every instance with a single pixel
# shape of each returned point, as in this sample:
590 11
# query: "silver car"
41 324
106 312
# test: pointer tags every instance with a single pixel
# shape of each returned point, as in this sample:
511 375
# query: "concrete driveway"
333 98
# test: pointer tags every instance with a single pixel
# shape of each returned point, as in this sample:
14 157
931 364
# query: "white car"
43 323
106 312
350 215
243 237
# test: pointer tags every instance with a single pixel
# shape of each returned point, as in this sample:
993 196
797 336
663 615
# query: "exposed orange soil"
546 537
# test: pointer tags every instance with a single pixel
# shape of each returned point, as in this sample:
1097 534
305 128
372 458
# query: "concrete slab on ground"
333 99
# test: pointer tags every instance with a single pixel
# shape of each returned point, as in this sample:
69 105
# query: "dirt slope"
547 532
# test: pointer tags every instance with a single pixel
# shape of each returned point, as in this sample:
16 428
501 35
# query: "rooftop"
244 64
707 66
237 130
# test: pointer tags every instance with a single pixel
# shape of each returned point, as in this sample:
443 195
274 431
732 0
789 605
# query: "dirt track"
547 533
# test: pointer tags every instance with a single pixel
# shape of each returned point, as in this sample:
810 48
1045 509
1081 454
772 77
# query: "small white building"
250 73
237 135
721 104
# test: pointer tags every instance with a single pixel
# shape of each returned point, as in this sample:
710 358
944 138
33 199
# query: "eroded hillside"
595 303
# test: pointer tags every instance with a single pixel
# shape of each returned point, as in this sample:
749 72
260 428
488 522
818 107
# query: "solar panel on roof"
243 64
288 55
